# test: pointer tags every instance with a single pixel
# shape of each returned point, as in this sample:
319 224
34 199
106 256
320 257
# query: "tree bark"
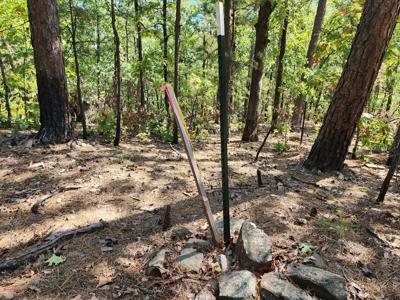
165 57
250 132
6 92
394 161
98 41
279 73
176 61
50 72
117 76
142 100
373 34
315 35
82 116
392 150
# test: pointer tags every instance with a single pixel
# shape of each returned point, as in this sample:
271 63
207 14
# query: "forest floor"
129 187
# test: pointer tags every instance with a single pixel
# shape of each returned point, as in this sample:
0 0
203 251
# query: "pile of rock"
253 279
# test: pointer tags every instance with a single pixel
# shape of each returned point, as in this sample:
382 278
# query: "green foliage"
339 225
280 147
307 248
106 127
375 133
55 260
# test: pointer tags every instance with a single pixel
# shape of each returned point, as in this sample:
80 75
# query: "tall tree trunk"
50 72
373 34
98 41
6 92
165 57
142 101
316 32
117 76
82 116
250 132
279 73
176 61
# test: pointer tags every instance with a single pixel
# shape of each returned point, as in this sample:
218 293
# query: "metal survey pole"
223 100
192 160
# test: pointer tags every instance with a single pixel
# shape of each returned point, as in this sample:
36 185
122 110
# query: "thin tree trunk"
6 92
279 73
165 57
394 161
250 132
390 91
316 32
82 116
142 101
373 35
176 61
248 84
25 97
50 72
392 150
98 51
117 76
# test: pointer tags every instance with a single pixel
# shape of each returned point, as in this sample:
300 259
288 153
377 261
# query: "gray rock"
190 260
254 248
223 262
324 284
181 233
205 295
157 264
238 285
198 244
235 226
301 221
274 286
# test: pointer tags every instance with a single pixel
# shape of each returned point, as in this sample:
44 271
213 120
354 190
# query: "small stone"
316 260
223 262
238 285
280 187
181 233
29 143
301 221
190 260
254 248
204 295
324 284
157 264
198 244
274 286
235 225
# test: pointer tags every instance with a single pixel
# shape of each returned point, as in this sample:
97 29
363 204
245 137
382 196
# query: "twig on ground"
53 239
40 203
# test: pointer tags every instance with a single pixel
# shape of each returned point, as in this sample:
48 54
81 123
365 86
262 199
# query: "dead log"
51 241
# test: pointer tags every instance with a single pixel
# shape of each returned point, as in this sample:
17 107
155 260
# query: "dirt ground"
130 187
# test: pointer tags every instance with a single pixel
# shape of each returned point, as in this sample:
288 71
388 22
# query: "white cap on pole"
220 19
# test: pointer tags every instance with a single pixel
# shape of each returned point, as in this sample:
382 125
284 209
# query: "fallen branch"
305 181
53 239
40 203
